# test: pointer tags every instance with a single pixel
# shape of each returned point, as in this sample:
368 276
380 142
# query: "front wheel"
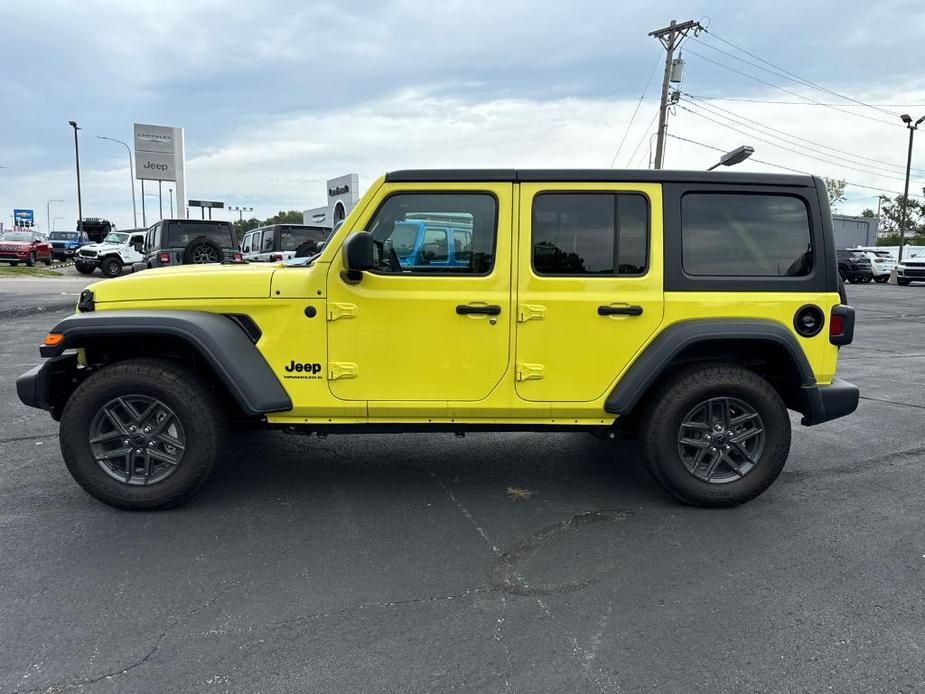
111 267
30 261
880 279
84 269
142 434
902 282
715 435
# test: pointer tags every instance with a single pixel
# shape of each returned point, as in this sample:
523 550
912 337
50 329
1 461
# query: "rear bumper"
825 403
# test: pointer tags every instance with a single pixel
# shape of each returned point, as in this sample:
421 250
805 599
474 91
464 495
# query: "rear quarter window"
745 235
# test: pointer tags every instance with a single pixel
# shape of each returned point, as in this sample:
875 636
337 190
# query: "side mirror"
358 255
139 247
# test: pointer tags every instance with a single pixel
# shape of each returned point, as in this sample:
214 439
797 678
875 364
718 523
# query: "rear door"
589 291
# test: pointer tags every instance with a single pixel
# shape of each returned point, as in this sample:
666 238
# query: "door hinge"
336 311
530 372
530 312
341 369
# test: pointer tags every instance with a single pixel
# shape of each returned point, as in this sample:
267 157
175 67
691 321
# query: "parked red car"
24 247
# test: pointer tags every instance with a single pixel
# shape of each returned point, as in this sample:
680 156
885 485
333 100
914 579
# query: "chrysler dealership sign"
159 156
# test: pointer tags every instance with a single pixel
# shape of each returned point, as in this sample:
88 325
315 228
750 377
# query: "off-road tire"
675 397
842 276
200 247
842 292
196 405
111 266
30 261
84 269
305 249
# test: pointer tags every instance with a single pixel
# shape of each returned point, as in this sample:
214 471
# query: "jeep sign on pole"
159 156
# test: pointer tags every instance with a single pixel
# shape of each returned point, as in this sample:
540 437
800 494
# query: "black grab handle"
619 310
467 310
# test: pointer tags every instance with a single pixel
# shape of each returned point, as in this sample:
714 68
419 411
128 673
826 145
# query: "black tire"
676 398
47 262
30 261
866 279
841 275
84 269
902 282
111 267
195 405
880 279
202 250
842 292
14 263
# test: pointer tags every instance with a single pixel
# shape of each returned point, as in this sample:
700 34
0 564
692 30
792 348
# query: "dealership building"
343 193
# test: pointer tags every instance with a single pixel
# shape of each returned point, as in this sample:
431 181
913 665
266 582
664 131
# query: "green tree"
281 217
835 187
868 213
243 226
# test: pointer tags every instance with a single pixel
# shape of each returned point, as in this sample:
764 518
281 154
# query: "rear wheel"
715 435
880 279
142 434
866 278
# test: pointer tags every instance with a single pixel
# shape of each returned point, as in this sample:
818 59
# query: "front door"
417 328
589 290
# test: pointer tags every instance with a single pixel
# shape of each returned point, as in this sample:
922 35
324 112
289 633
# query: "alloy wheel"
137 440
721 440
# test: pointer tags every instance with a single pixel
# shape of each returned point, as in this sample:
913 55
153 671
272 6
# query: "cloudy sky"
277 97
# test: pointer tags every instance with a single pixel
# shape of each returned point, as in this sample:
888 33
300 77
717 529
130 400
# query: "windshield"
63 236
115 237
290 238
16 236
181 233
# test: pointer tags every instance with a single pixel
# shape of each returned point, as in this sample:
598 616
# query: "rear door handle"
469 310
619 310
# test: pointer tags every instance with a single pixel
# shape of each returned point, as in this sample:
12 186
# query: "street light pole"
48 213
170 192
80 211
131 173
902 225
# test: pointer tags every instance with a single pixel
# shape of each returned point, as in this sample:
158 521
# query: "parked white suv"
911 269
881 265
118 249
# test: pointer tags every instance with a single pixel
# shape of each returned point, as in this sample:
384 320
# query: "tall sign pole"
670 37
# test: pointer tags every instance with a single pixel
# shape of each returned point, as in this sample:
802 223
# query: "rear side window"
590 234
290 238
753 235
181 233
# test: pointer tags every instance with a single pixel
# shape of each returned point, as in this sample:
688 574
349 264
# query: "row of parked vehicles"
861 265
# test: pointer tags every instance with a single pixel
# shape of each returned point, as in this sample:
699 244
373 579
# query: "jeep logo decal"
307 367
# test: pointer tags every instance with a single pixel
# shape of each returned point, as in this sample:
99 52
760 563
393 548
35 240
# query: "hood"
101 246
188 282
16 243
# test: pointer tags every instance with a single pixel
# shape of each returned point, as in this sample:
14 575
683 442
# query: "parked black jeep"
189 241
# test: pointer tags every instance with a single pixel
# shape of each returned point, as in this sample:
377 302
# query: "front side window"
412 233
590 233
246 244
750 235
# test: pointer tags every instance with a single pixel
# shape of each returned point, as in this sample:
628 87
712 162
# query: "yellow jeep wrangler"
691 308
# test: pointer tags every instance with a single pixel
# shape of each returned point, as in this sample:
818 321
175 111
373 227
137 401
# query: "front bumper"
825 403
63 252
910 273
40 384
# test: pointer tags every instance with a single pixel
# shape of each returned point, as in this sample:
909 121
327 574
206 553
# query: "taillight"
275 257
163 257
237 257
841 325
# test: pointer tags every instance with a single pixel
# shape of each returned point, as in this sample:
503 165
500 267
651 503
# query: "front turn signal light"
52 339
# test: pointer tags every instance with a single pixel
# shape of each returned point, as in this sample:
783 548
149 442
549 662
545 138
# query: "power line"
785 168
791 92
636 110
780 146
786 73
737 117
795 103
645 134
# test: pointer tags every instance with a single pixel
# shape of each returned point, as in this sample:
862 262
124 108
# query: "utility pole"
670 37
902 224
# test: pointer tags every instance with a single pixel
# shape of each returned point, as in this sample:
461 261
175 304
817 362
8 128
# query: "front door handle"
469 310
619 310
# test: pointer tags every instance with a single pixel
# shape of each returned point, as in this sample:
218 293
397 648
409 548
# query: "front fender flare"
219 340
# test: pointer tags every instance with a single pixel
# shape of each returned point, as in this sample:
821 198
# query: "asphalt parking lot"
497 562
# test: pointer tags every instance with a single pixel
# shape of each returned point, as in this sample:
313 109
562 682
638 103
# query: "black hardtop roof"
595 175
196 221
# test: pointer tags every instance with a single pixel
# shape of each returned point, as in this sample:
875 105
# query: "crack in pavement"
118 672
858 467
893 402
28 438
